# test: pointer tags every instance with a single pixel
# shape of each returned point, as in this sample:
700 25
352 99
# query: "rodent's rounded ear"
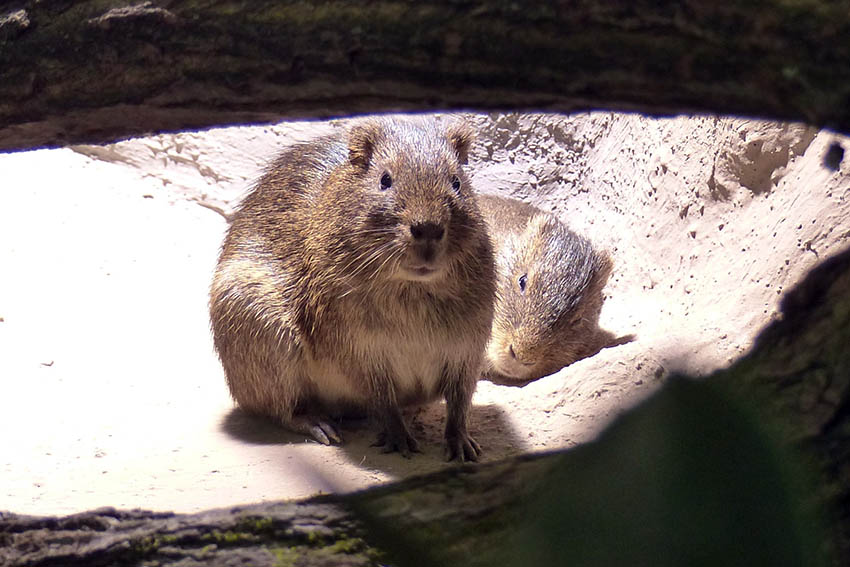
460 136
362 139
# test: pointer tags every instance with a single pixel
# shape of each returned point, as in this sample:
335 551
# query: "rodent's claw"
319 435
318 429
462 447
325 433
403 442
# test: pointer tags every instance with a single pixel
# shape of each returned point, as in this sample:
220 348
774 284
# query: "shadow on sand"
489 424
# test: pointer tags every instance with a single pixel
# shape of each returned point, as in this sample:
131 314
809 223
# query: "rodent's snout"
427 231
426 245
523 360
427 239
511 361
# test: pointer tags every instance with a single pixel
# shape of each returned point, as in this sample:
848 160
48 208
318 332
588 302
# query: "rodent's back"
549 292
505 216
276 213
254 289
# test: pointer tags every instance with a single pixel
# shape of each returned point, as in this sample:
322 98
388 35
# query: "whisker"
369 253
394 253
370 231
376 255
392 256
371 256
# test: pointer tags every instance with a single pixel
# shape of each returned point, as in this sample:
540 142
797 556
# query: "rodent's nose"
427 231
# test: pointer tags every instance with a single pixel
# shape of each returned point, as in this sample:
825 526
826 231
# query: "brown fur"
324 300
555 320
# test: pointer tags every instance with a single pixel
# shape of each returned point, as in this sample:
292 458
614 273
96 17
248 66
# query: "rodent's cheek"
382 219
401 234
496 349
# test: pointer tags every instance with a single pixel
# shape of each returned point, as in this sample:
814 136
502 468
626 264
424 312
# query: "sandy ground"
111 391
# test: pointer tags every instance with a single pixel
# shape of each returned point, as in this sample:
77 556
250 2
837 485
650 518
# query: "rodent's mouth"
420 273
510 367
511 371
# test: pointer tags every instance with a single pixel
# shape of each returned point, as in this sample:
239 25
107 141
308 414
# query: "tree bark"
750 466
98 71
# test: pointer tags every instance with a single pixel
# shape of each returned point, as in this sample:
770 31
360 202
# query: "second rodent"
549 293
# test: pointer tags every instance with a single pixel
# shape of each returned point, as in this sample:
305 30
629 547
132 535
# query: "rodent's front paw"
462 447
399 440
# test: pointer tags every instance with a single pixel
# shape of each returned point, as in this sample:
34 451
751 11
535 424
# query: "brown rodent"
549 293
359 275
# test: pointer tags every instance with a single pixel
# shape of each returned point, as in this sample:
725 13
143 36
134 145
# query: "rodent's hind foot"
463 447
391 440
317 428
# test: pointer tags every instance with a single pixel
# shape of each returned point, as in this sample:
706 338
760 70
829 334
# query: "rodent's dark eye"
523 279
455 183
386 181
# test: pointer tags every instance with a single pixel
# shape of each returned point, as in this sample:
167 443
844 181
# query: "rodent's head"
549 299
410 208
